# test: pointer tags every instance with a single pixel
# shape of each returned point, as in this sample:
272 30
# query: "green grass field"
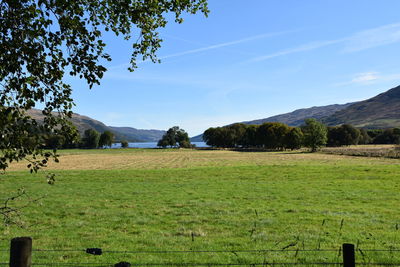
180 200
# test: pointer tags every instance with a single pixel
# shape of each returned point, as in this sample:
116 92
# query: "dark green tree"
364 137
388 136
250 136
294 139
42 42
271 135
175 137
344 135
106 139
209 136
163 142
124 144
54 141
237 132
91 139
315 134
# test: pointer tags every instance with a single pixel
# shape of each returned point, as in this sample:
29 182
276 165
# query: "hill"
297 117
294 118
139 134
381 111
83 123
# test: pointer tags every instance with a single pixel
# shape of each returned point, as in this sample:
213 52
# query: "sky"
250 59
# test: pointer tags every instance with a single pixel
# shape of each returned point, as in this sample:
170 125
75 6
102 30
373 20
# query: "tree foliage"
315 134
124 144
294 139
91 139
175 137
388 136
343 135
44 41
106 139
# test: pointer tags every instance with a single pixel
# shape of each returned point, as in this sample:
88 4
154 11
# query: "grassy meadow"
190 200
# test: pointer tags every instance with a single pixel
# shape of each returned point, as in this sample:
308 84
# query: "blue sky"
251 59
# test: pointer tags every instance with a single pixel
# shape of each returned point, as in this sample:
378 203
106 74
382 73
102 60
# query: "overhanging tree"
43 41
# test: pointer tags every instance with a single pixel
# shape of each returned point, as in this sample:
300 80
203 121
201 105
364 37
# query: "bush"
124 144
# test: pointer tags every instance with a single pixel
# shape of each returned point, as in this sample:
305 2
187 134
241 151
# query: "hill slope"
138 134
294 118
83 123
297 117
381 111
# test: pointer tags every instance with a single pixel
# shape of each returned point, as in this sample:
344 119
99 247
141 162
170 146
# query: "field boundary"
21 256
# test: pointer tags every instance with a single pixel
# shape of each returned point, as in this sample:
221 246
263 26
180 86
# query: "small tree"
106 139
124 144
91 139
315 134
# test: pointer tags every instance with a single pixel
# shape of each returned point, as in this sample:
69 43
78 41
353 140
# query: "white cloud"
384 35
302 48
362 40
209 47
371 77
365 77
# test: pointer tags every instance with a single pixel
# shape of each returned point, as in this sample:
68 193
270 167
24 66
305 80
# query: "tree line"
90 139
279 136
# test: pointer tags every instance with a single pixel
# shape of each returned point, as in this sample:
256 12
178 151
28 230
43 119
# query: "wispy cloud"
216 46
384 35
365 77
211 47
302 48
370 77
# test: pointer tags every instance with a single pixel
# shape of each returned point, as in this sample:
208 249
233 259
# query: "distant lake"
153 145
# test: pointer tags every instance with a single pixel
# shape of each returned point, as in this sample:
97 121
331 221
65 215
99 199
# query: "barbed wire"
210 251
212 264
191 264
206 264
188 251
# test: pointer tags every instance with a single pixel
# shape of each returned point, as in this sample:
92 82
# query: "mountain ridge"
380 111
129 134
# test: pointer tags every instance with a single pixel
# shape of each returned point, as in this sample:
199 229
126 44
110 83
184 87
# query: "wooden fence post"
349 259
21 252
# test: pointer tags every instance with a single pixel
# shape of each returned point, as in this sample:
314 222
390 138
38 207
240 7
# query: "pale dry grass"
388 151
182 158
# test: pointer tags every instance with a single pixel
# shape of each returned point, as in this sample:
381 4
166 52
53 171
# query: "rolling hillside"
294 118
297 117
138 134
83 123
381 111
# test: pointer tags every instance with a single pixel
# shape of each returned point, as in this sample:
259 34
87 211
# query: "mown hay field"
190 200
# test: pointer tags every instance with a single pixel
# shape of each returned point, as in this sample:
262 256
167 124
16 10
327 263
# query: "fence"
21 256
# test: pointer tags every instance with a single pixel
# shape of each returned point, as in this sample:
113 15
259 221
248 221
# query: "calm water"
152 145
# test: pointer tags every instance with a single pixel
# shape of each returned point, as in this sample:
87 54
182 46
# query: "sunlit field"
153 200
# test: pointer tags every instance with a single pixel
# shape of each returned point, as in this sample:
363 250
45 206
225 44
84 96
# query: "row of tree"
279 136
91 139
